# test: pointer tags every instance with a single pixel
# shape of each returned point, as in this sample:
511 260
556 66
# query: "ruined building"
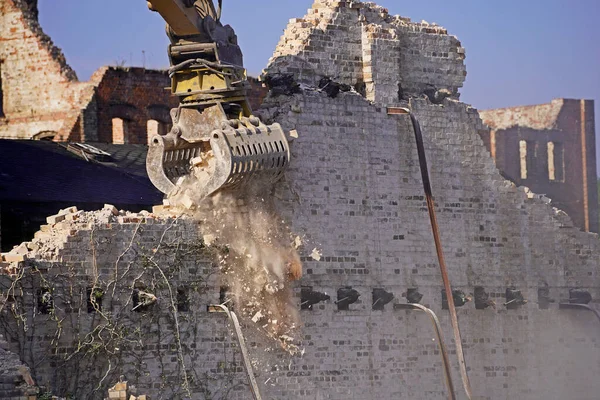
72 299
42 98
551 148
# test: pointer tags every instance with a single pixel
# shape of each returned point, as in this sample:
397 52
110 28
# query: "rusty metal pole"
242 343
440 338
577 306
438 244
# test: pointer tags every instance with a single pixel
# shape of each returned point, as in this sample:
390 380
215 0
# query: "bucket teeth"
240 154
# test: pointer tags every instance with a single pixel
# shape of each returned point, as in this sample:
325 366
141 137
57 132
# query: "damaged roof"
41 171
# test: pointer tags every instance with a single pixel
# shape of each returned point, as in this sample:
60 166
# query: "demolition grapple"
213 127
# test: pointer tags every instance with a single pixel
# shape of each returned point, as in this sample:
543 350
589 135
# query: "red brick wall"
40 90
257 93
564 128
136 95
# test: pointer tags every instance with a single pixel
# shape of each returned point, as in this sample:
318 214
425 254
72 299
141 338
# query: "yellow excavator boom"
182 19
215 137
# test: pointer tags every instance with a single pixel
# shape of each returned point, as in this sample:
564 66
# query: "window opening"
45 301
523 158
183 300
142 301
94 299
155 127
120 132
556 162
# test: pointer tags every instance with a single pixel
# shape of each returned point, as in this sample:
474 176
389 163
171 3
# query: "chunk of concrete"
188 202
74 216
54 219
111 208
10 257
68 210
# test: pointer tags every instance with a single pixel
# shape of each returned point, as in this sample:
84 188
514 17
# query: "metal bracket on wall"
242 342
440 338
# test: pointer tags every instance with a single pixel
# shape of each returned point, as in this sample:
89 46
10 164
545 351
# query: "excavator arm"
185 17
213 128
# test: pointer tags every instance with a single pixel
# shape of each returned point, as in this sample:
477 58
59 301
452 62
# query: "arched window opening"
155 127
120 131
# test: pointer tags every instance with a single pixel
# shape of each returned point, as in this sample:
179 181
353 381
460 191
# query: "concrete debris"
111 208
69 210
187 202
437 96
297 242
282 85
528 192
531 195
74 216
53 219
197 161
333 88
17 254
257 317
51 238
121 391
316 254
209 239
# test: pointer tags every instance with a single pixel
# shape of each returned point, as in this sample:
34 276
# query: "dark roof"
40 171
129 157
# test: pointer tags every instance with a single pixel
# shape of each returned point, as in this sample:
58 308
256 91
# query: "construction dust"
256 253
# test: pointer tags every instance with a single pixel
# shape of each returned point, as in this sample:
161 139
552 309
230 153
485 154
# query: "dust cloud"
256 252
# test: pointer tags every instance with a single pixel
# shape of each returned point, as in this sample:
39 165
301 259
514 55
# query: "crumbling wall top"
27 11
538 117
385 58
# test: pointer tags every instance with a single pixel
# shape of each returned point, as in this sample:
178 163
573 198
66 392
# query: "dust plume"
256 252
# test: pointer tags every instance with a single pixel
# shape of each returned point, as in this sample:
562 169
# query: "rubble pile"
51 238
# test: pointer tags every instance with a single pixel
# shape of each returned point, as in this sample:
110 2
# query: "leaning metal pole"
438 244
240 337
579 307
440 338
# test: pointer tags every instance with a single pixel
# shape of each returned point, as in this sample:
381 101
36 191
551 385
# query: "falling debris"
209 240
297 242
316 254
257 317
254 249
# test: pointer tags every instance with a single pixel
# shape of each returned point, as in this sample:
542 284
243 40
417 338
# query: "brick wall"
40 91
559 123
134 95
353 192
15 380
360 44
42 97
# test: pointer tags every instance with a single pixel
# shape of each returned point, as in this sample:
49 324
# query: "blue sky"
518 51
